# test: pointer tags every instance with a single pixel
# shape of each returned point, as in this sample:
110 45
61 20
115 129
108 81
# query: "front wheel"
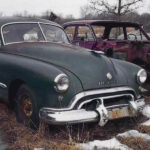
26 107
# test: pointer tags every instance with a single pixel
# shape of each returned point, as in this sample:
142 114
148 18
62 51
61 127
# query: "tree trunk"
119 10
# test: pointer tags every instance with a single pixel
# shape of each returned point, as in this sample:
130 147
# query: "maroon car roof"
92 22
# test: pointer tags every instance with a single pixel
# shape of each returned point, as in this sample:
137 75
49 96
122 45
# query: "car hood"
92 69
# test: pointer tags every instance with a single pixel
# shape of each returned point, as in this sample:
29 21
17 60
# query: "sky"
63 7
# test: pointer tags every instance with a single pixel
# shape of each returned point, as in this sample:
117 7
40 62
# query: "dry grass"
22 138
135 143
57 138
144 129
138 143
147 99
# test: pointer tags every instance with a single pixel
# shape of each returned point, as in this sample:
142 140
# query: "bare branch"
131 3
121 8
103 6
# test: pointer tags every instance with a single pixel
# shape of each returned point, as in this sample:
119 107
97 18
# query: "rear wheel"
26 107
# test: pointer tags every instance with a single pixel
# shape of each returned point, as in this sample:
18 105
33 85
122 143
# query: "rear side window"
70 32
116 33
134 33
85 33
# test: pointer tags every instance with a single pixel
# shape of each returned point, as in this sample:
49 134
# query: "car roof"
7 20
103 22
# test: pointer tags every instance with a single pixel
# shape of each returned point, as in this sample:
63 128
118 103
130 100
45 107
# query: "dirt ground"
19 137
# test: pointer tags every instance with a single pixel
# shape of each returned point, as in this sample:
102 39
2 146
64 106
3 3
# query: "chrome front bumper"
101 115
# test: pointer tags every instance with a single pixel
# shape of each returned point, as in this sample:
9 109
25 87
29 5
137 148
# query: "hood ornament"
109 76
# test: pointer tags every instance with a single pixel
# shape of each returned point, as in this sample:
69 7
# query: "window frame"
91 30
74 32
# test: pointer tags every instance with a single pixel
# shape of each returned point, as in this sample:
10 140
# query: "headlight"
61 83
141 76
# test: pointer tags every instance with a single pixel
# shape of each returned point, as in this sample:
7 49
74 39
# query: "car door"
70 31
3 75
139 44
117 39
84 37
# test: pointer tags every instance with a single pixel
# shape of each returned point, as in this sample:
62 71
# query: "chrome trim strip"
101 91
77 97
117 106
59 76
2 85
42 32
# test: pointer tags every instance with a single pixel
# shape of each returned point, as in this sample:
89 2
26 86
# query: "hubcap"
27 107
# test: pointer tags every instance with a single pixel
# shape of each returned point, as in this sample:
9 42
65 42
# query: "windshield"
33 32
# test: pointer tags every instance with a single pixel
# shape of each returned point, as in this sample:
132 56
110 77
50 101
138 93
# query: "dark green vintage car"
44 77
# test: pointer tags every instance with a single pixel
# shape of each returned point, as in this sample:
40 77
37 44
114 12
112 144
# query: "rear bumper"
100 115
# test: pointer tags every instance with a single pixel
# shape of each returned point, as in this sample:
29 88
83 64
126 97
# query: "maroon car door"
84 37
70 30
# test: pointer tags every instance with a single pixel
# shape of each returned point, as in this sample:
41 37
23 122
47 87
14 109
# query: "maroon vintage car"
128 40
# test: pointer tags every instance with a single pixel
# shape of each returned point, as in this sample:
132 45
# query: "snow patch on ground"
146 123
3 146
135 133
114 143
146 111
109 144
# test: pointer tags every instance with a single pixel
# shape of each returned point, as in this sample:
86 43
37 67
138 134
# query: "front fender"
129 71
39 76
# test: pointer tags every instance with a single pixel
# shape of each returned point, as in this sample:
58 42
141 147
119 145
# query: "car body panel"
86 57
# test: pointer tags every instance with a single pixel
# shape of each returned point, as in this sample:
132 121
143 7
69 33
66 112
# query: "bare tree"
120 8
85 11
1 14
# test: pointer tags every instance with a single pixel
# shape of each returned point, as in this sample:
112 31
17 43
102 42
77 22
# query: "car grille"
109 99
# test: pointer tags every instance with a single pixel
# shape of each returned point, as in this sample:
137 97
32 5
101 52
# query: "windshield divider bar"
42 31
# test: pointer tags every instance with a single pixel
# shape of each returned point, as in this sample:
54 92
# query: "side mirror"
109 52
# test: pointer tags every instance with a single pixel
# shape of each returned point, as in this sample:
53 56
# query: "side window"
116 33
134 33
99 31
70 32
84 33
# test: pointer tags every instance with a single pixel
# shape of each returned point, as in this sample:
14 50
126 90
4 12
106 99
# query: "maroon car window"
70 32
85 33
117 33
99 31
135 34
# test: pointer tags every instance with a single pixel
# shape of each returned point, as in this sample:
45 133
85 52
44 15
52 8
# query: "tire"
26 107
